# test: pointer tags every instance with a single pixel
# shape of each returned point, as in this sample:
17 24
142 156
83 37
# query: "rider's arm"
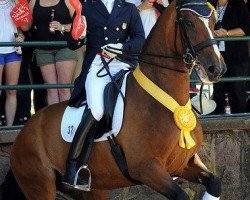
135 32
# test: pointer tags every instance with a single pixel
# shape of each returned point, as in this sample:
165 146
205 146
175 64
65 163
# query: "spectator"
10 60
233 20
52 21
23 112
115 24
149 12
34 73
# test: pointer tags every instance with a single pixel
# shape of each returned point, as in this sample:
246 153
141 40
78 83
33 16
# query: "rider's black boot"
87 126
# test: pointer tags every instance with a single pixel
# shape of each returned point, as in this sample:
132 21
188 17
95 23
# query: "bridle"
190 57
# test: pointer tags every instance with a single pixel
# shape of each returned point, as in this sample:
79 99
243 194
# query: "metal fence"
64 44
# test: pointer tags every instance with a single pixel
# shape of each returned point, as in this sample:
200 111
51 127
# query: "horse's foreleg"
37 182
197 172
155 176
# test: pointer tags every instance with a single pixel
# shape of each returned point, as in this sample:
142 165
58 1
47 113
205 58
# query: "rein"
190 57
130 54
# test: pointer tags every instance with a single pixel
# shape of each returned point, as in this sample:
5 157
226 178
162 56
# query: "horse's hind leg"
152 174
36 182
197 172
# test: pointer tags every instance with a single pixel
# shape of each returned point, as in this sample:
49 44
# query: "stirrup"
85 187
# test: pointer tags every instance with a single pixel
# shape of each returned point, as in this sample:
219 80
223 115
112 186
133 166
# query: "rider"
111 24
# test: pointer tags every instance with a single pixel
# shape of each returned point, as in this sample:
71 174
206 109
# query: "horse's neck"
174 83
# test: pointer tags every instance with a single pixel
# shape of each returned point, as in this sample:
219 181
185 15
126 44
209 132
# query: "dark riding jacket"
123 25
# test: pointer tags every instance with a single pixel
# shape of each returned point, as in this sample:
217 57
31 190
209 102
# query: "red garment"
79 26
21 14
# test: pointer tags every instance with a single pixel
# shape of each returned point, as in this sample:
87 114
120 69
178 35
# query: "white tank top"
8 28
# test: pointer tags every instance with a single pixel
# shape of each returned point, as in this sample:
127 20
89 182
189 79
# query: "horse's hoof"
214 186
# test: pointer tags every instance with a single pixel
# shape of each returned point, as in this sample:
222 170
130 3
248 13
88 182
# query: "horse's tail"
10 189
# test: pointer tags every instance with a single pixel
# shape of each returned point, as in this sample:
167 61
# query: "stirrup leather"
85 187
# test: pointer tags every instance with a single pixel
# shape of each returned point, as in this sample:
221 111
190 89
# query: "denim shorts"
9 57
45 57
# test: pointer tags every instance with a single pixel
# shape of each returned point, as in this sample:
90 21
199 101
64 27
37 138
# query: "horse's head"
185 32
196 20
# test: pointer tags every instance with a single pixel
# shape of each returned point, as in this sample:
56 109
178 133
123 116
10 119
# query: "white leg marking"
208 196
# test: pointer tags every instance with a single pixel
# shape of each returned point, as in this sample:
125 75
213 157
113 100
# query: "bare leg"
152 174
65 71
12 74
50 77
1 74
197 172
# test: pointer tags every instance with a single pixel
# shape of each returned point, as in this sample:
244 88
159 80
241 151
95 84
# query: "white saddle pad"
72 118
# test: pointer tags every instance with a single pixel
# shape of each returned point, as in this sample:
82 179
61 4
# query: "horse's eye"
189 23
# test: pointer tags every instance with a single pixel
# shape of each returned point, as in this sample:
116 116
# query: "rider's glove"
112 50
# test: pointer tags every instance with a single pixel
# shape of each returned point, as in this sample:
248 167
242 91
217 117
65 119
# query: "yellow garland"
183 115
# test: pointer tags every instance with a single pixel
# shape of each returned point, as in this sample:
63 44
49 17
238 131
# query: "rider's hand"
112 50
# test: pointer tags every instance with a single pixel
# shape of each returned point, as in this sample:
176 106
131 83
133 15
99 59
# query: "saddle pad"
70 121
72 118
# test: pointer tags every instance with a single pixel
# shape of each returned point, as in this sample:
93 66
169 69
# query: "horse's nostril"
211 69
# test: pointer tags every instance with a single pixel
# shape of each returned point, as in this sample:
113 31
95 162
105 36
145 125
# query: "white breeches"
95 85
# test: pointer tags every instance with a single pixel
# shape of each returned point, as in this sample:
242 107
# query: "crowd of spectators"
56 65
233 20
10 58
52 22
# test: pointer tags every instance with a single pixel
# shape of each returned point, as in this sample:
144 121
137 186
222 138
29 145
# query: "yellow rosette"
186 121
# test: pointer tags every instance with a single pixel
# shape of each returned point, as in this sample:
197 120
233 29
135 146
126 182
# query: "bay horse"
149 135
